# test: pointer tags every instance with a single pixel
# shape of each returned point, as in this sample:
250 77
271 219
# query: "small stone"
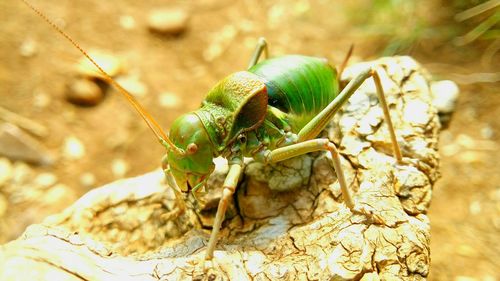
84 92
28 48
111 64
169 100
475 208
45 180
87 180
56 194
487 132
133 85
6 171
445 95
73 148
173 21
41 99
119 167
22 173
127 22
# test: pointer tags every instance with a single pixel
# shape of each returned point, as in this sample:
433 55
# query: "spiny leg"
304 147
319 122
287 152
383 103
229 188
261 47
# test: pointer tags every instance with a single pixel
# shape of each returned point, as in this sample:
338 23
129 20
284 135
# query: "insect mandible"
272 112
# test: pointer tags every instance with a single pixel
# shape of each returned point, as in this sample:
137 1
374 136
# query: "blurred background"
62 132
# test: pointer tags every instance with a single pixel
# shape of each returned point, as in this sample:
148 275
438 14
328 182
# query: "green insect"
273 111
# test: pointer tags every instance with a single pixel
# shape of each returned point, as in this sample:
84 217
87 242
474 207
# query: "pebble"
445 95
84 92
475 208
111 64
127 22
171 21
73 148
119 167
22 173
56 194
133 85
6 171
169 100
87 180
45 180
487 132
41 99
28 48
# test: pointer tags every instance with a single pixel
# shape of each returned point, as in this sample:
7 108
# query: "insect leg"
261 47
230 183
180 204
319 122
387 116
304 147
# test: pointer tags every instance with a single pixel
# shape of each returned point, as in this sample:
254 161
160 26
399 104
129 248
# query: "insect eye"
191 148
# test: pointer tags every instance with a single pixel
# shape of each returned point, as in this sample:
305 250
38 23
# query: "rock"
171 21
73 148
84 92
18 145
123 230
6 171
444 98
169 100
109 63
444 95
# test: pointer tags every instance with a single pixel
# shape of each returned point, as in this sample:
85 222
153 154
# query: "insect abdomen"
300 86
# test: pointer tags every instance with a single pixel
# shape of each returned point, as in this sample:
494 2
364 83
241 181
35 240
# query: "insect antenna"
150 121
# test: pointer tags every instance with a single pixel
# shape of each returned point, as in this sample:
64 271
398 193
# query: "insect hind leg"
259 49
320 121
287 152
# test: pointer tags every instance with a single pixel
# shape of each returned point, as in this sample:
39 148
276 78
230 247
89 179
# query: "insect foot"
117 231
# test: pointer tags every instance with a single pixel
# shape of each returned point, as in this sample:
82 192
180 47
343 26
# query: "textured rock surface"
124 231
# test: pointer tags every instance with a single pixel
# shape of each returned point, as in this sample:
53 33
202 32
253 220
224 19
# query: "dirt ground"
36 64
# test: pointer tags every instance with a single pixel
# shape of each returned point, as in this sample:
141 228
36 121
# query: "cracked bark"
122 231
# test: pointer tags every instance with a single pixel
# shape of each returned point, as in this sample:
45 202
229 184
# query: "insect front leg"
230 183
180 206
261 47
